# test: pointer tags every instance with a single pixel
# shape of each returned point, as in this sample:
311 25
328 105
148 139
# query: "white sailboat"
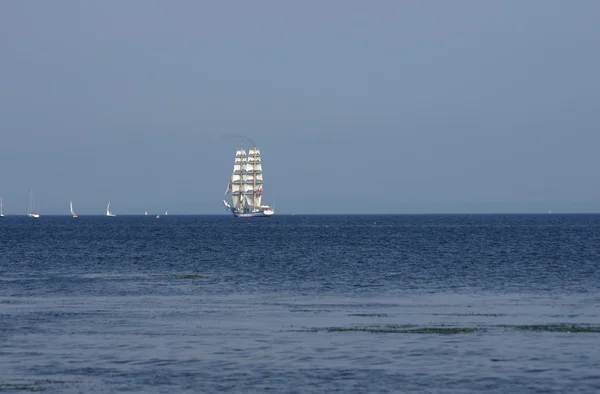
108 212
73 214
31 212
246 186
166 213
145 213
1 208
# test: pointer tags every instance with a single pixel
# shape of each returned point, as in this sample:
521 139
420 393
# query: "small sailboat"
166 213
1 206
73 214
158 216
108 212
145 213
32 213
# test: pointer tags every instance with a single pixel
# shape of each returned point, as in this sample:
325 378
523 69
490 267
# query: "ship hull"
261 214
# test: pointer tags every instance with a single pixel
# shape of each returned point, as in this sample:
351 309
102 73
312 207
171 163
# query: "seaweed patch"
444 330
190 276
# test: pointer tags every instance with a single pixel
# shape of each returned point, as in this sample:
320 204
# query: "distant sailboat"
166 213
1 206
73 214
158 216
31 213
108 212
145 213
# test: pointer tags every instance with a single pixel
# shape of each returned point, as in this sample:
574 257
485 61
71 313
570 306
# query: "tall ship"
246 186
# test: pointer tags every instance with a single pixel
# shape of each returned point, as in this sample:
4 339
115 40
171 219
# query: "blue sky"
358 107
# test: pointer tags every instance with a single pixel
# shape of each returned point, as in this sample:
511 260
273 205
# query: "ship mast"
254 178
242 171
243 178
237 180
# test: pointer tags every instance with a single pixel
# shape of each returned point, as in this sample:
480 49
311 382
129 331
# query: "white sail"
1 208
237 178
73 214
255 178
31 213
108 212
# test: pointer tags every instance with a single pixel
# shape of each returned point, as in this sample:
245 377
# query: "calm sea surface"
449 304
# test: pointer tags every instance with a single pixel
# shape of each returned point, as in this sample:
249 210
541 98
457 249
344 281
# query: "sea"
300 304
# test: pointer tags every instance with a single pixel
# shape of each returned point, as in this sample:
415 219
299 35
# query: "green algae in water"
182 276
369 314
38 385
555 328
397 330
567 328
20 387
191 276
35 387
470 314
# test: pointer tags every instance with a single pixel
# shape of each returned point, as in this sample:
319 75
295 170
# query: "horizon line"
326 214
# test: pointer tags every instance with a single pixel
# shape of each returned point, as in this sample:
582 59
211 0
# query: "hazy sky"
358 106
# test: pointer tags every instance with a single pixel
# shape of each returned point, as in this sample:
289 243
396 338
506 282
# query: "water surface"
428 303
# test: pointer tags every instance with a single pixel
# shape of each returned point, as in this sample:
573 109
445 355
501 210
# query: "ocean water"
301 304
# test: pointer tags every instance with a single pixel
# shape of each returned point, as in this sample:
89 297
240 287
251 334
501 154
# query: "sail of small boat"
246 185
1 208
108 212
31 212
73 214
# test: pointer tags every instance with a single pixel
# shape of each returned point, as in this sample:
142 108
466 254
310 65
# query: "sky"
383 106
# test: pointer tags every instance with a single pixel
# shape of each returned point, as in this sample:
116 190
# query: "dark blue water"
452 304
